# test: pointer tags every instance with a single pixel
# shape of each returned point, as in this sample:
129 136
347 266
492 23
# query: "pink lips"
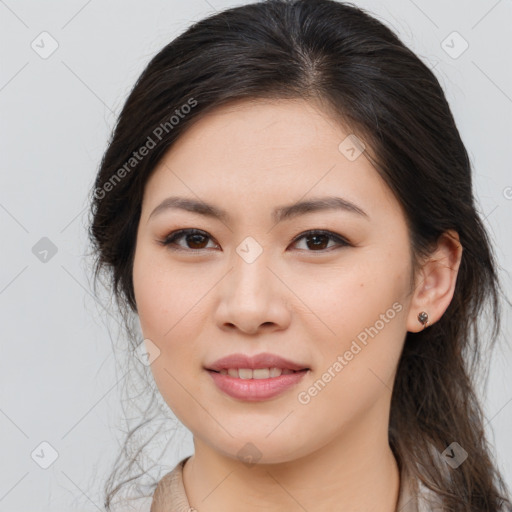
255 389
263 360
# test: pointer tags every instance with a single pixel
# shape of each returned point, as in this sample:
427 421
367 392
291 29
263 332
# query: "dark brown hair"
340 56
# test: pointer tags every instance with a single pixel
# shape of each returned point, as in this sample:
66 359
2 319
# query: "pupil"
317 243
195 238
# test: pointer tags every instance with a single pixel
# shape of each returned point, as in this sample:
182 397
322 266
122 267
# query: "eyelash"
171 239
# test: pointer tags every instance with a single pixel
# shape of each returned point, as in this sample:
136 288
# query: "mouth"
255 378
259 366
257 373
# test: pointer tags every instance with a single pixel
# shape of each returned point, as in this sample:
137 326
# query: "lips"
259 361
256 378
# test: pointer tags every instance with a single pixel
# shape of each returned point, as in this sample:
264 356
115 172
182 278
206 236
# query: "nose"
252 298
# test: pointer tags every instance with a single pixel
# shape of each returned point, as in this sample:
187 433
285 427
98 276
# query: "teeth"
262 373
257 373
244 373
275 372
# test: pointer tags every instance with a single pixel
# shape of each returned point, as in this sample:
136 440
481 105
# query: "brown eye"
197 240
318 240
194 239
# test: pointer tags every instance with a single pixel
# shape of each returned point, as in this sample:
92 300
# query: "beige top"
170 494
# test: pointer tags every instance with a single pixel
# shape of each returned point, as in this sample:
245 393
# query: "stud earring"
423 319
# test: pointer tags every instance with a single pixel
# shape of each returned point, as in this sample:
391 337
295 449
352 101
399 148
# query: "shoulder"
162 495
169 495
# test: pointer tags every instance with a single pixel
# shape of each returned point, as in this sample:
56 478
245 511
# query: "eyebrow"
278 214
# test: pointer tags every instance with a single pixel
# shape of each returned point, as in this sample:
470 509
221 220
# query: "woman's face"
253 282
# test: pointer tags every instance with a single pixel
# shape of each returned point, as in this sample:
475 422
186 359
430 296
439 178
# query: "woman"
286 204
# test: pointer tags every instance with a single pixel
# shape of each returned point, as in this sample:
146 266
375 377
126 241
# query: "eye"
196 239
318 239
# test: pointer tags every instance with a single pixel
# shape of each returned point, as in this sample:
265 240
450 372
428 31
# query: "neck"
355 471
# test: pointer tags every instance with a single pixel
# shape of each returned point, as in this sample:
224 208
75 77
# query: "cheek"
357 370
163 295
171 316
362 309
347 298
152 310
168 306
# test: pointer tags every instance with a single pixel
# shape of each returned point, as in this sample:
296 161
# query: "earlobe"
435 283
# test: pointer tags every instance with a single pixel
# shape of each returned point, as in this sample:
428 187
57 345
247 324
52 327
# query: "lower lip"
256 390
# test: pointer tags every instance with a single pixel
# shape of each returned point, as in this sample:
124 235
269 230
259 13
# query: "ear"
435 281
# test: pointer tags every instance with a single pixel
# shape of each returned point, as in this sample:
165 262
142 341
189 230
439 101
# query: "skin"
299 301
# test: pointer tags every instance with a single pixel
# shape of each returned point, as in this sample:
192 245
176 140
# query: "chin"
256 447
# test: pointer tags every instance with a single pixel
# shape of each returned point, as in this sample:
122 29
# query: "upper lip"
264 360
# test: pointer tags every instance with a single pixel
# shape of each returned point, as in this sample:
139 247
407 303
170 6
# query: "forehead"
269 124
282 150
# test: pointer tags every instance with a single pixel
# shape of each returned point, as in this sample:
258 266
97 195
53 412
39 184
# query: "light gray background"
57 368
